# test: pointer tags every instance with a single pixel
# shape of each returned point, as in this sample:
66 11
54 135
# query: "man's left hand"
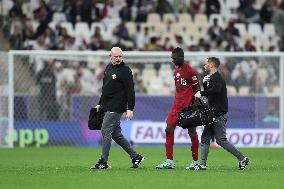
129 114
197 95
206 79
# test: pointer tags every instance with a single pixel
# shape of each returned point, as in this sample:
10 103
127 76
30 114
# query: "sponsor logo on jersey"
113 76
178 75
194 78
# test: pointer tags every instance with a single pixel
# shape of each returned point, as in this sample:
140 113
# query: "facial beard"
178 64
207 71
116 62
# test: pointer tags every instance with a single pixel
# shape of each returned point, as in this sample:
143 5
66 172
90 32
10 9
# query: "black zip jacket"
118 89
216 92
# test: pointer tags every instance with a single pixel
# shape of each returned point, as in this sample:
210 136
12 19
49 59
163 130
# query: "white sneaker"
194 163
198 167
168 164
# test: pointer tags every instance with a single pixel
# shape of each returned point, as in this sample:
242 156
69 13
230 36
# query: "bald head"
115 55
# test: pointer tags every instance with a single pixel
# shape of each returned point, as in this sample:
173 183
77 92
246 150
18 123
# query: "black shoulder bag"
196 115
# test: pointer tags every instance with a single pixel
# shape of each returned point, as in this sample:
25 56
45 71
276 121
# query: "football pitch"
69 168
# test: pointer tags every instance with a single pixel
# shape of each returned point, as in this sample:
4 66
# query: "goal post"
282 97
43 113
11 99
6 97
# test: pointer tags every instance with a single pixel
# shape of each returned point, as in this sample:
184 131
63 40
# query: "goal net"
53 92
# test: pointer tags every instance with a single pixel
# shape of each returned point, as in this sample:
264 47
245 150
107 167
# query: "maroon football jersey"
185 77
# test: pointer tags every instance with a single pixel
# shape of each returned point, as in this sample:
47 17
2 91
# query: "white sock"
170 160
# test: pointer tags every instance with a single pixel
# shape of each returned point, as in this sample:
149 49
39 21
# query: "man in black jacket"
216 91
118 96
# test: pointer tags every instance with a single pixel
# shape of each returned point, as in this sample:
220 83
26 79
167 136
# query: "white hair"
114 49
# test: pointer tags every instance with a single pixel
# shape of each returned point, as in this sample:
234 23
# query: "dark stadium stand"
35 24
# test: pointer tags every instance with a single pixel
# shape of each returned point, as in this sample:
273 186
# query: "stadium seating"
6 6
154 18
244 90
159 28
69 27
230 17
191 26
185 18
82 30
219 18
231 4
169 18
178 28
171 36
147 75
200 19
35 24
254 29
131 26
269 30
242 28
59 17
231 90
258 4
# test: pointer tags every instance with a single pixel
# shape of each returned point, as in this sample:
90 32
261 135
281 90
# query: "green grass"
69 168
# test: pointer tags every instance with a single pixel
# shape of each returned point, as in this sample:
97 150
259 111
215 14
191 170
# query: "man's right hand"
129 114
97 107
206 79
197 94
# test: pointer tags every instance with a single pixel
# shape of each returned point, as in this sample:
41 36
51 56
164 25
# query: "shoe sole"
109 167
165 168
193 169
196 169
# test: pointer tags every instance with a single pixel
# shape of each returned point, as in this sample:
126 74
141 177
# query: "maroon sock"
169 145
194 146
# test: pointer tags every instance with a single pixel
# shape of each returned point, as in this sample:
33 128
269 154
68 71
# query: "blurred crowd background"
143 25
152 25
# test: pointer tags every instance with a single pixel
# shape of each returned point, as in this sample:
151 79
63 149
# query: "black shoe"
101 165
243 163
137 161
